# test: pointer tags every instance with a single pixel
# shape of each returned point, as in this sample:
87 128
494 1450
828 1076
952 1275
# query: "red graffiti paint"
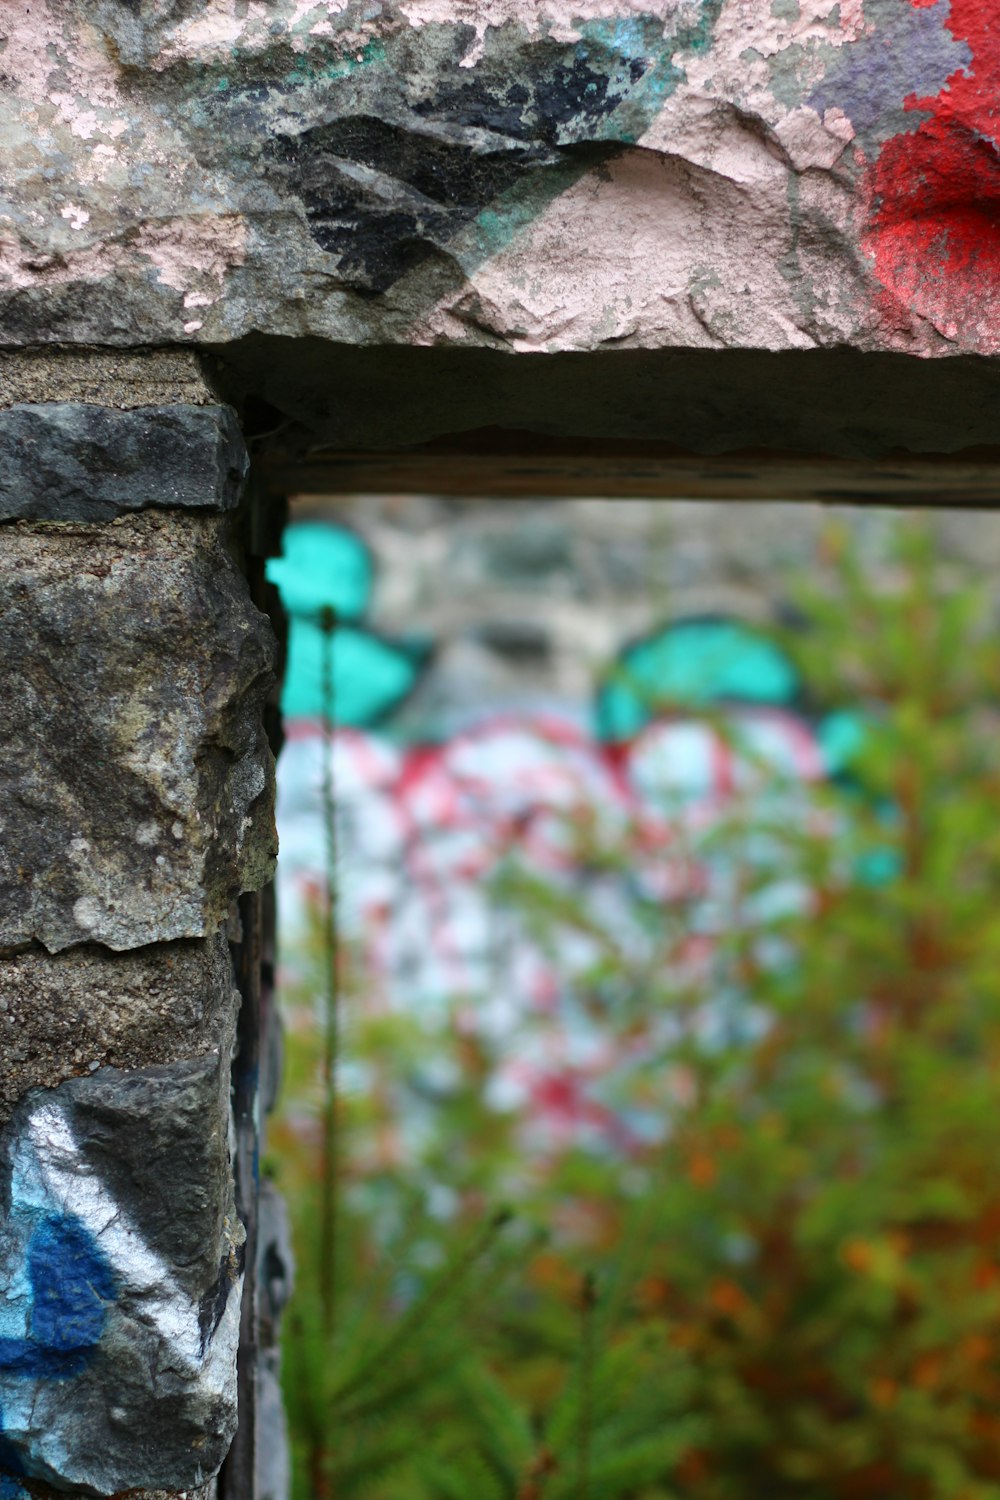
933 197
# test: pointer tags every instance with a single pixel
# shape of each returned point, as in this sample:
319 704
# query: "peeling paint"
205 247
222 29
423 171
933 194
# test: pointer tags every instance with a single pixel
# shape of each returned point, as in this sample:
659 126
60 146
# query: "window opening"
619 973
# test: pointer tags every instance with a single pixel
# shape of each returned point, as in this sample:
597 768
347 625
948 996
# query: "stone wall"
136 809
776 174
716 225
764 222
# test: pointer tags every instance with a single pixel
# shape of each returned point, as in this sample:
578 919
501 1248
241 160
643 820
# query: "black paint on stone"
385 198
387 192
71 461
156 1139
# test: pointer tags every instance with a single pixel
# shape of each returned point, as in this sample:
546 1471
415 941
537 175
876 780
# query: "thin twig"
329 1219
588 1304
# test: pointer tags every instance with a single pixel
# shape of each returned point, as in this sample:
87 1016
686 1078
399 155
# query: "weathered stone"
564 174
68 1014
135 791
120 1261
69 461
275 1275
552 178
123 378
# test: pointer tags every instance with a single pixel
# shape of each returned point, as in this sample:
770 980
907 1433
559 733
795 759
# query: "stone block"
531 175
68 1014
71 461
121 1263
123 378
136 783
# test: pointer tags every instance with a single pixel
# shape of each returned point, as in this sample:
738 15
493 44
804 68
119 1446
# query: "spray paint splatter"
72 1287
933 196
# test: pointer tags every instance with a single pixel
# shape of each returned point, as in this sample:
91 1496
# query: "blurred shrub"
792 1288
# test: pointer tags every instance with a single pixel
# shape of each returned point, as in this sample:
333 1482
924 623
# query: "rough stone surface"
120 1260
525 174
135 789
109 377
275 1276
14 1490
71 461
66 1015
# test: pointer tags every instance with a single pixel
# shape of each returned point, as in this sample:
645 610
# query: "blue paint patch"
641 71
842 736
308 71
699 35
911 53
691 664
371 676
325 566
72 1287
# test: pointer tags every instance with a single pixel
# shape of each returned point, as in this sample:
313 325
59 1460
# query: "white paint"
22 265
197 245
561 18
77 216
50 1174
651 252
221 28
692 246
31 51
86 913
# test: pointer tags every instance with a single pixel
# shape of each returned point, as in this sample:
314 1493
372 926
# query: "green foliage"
794 1289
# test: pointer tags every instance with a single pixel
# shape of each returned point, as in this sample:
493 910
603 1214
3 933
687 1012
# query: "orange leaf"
728 1298
883 1392
702 1170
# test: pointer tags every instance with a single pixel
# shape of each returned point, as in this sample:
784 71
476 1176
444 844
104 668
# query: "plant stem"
329 1217
588 1303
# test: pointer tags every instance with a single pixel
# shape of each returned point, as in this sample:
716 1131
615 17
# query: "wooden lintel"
538 467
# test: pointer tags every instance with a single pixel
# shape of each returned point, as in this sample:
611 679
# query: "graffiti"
70 1286
98 1274
436 163
427 833
934 188
613 825
691 664
466 163
327 567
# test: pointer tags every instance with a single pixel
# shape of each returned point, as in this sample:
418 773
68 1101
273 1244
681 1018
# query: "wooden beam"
526 465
